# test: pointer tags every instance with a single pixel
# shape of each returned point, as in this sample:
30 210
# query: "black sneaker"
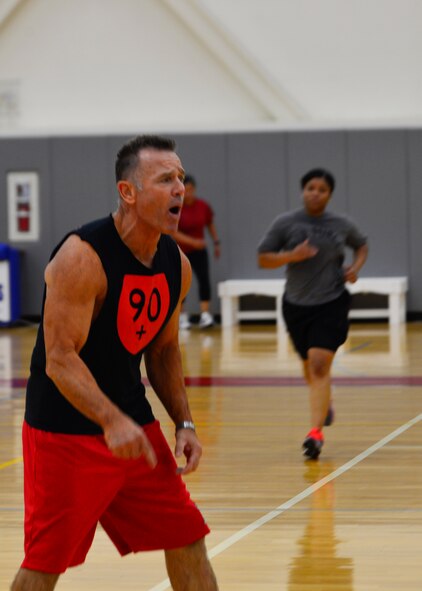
313 444
329 419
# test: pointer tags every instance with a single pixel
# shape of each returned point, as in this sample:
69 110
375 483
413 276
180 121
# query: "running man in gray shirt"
312 243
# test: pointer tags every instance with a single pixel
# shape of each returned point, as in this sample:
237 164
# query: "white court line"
299 497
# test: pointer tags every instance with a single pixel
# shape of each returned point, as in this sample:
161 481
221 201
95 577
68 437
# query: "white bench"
230 291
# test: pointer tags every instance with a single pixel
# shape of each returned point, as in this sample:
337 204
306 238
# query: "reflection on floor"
351 521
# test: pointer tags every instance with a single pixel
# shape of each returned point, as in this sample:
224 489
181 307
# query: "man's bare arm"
76 287
163 363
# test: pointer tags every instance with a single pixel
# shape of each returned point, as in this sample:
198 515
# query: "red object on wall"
24 215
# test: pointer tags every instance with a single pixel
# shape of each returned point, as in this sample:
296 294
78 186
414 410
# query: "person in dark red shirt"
195 217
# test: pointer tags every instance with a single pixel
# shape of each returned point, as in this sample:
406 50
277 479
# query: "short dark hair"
318 173
189 179
127 156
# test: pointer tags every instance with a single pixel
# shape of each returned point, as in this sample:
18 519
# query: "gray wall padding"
248 178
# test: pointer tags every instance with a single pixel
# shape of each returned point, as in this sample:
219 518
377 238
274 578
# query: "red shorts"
72 482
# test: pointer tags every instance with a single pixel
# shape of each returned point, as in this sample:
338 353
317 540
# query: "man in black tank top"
113 295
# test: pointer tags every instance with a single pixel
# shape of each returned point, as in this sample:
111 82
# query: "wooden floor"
351 521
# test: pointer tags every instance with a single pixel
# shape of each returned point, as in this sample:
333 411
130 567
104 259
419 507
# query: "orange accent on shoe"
316 433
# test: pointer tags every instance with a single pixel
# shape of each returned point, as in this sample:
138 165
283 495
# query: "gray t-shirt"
319 279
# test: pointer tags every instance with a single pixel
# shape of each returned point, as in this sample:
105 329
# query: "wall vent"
9 102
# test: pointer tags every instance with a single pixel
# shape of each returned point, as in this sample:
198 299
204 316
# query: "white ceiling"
336 60
229 62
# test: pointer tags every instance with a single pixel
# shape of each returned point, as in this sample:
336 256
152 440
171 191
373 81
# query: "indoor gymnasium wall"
248 178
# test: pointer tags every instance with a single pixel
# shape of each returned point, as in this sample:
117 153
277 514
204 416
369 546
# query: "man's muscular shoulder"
186 271
77 268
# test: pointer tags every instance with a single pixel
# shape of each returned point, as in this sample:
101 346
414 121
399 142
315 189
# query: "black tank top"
138 304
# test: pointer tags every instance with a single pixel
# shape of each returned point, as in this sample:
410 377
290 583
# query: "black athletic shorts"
324 326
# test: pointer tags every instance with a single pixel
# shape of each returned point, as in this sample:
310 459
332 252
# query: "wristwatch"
185 425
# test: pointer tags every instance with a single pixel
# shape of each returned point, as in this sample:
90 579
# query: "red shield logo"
143 306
